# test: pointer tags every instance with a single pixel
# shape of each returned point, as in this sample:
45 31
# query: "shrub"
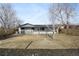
74 32
4 34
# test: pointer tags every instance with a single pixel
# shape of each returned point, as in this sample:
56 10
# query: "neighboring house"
35 29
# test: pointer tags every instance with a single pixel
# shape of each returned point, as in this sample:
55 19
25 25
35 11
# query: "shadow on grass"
39 52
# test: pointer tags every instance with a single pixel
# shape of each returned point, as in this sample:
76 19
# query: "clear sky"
36 13
32 13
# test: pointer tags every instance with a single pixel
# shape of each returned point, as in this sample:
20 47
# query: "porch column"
19 30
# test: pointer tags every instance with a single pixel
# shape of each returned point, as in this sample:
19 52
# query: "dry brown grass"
67 41
20 41
30 37
60 41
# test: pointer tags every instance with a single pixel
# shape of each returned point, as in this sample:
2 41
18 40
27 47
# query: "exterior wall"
35 30
43 32
27 31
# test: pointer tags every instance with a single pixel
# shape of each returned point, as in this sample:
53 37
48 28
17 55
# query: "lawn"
20 42
60 41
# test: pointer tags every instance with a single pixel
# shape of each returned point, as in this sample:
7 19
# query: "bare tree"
61 12
8 18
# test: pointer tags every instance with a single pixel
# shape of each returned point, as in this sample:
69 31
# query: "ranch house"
35 29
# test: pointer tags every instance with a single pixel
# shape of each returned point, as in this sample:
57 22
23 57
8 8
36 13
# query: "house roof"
27 25
31 25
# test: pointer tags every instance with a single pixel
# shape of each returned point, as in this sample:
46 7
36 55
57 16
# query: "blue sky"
36 13
32 13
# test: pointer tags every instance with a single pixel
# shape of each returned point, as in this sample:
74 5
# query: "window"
42 28
33 28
